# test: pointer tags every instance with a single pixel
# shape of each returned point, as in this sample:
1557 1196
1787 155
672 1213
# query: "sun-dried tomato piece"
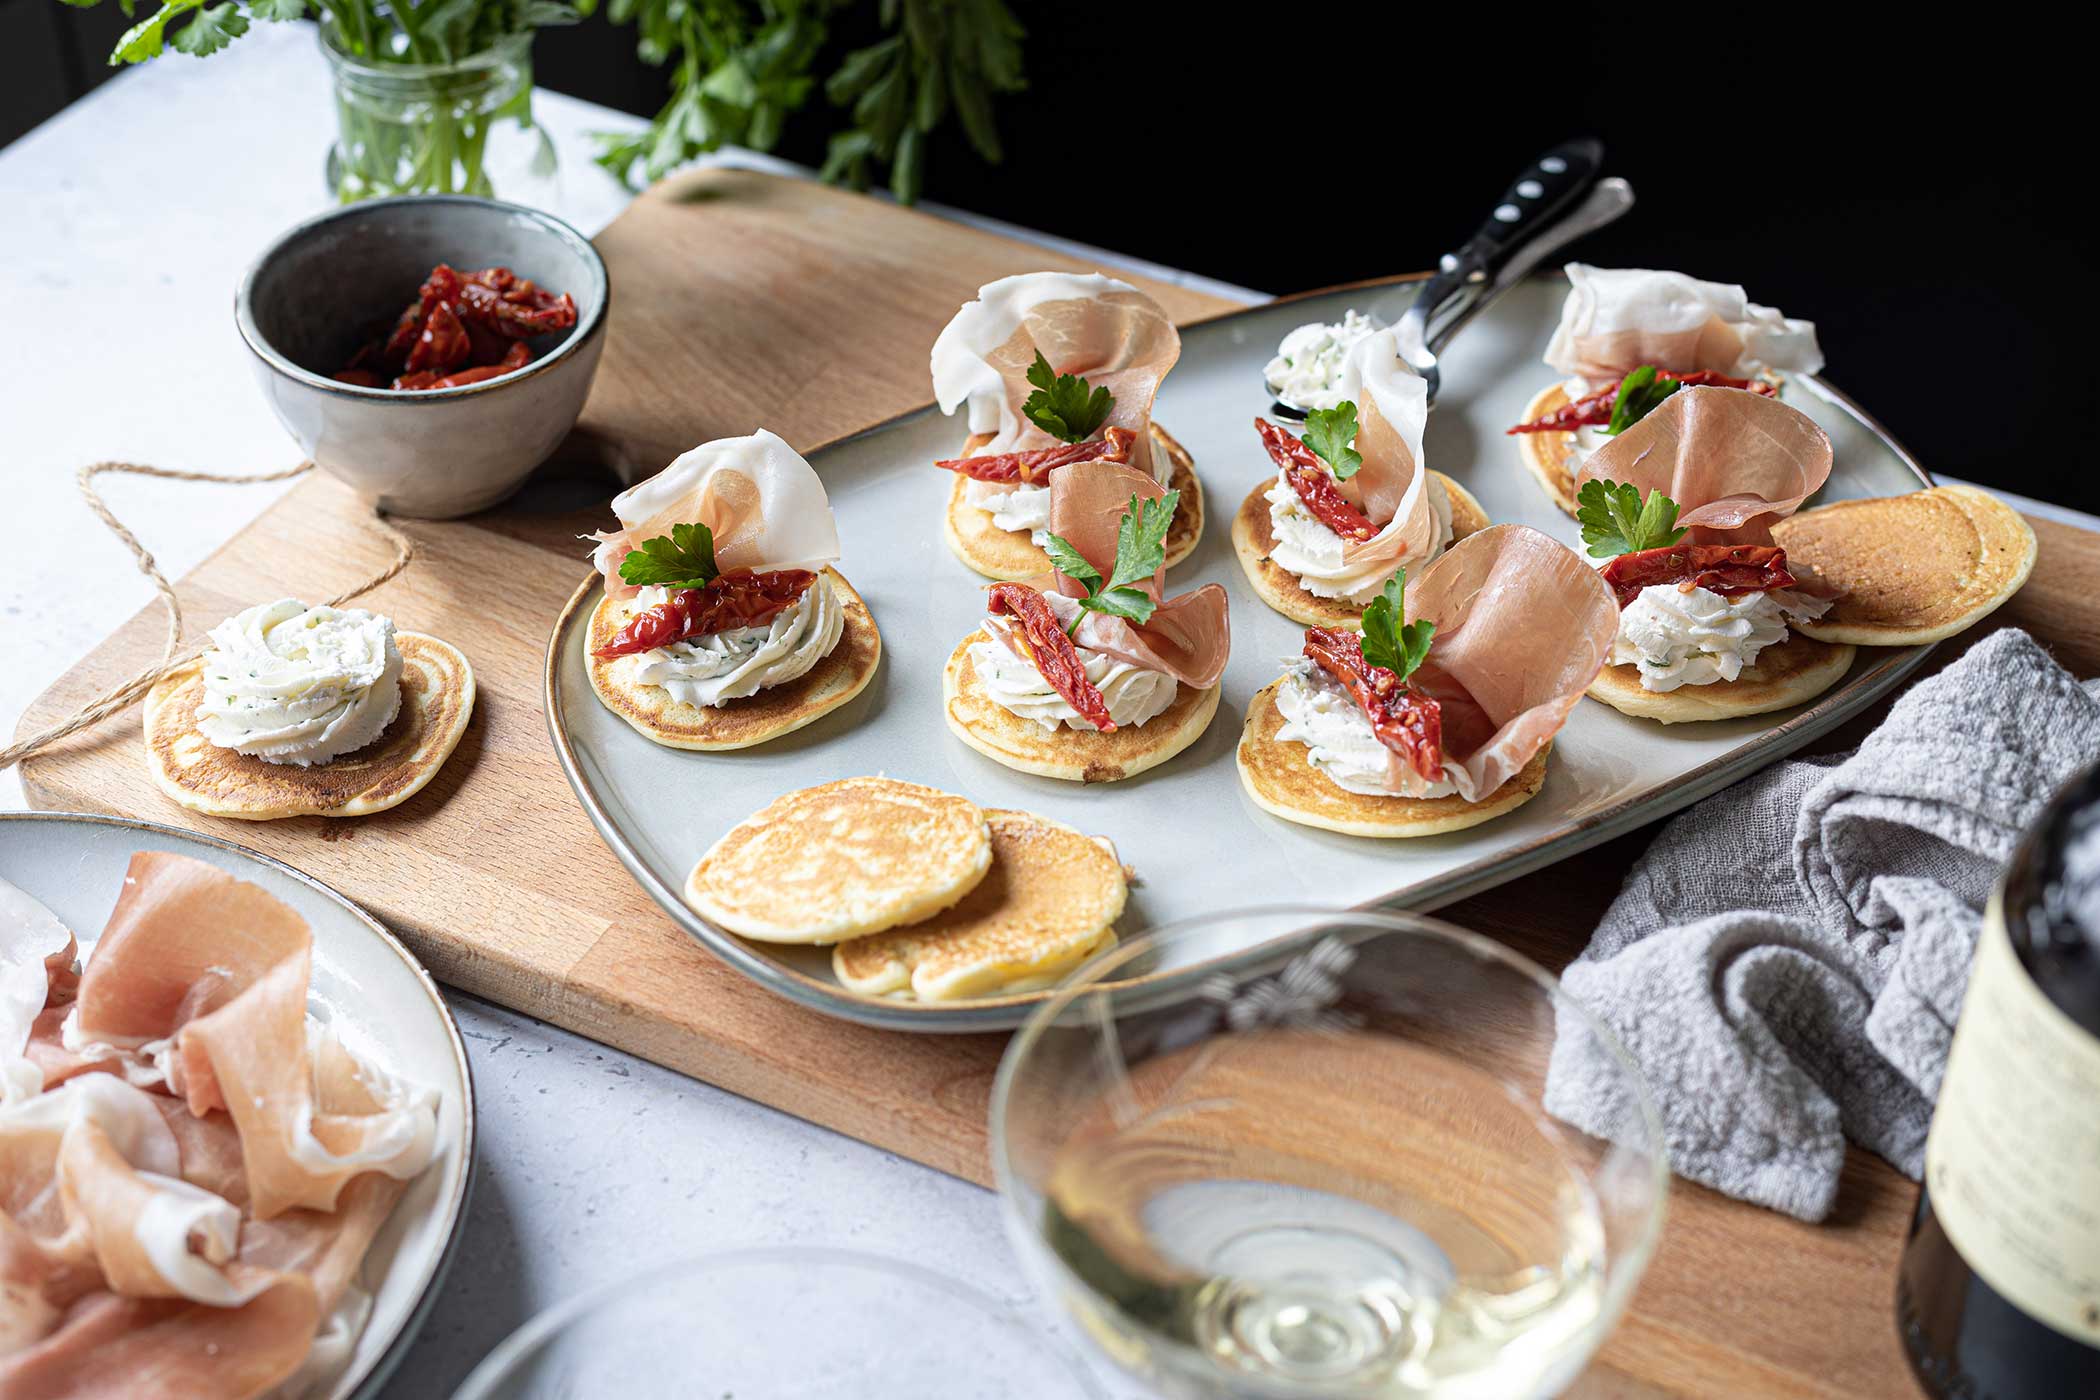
362 378
1726 569
1594 410
1031 467
442 344
739 598
1405 720
1052 651
517 357
1314 484
499 300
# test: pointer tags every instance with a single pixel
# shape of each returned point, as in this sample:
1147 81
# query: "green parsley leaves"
1141 549
685 560
1061 405
1387 642
1640 394
1615 520
1329 433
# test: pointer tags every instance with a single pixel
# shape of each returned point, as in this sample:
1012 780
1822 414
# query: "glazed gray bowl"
335 281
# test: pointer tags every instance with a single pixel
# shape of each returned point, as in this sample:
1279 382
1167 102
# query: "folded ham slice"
1106 331
161 1246
1189 637
764 504
1522 628
1733 462
1392 485
1617 319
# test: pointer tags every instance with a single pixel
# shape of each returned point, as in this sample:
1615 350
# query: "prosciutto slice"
1189 637
36 961
1522 628
763 502
1617 319
1106 331
195 1234
1734 462
1392 485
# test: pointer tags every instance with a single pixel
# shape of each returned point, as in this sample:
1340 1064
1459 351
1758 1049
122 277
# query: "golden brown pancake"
739 724
1914 568
1787 673
842 860
1012 555
1077 755
1549 456
437 700
1281 782
1049 902
1254 537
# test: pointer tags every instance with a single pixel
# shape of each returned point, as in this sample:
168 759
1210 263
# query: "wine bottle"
1998 1294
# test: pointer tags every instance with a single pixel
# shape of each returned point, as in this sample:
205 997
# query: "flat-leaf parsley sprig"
1331 434
1387 641
1141 550
1063 405
685 560
1615 520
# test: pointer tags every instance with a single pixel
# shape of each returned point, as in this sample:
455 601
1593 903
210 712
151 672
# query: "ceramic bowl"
335 281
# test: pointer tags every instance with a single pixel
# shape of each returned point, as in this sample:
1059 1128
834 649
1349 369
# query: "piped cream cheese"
1677 636
1339 741
286 683
715 668
1306 548
1133 694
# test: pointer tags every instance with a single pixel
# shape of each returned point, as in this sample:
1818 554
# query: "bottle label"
2013 1160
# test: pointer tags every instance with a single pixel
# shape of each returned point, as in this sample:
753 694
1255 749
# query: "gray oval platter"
1197 843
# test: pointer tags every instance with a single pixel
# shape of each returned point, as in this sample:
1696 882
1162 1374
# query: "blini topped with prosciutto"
723 624
1054 368
1441 714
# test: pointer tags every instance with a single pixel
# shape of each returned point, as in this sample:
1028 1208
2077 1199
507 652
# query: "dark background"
1902 183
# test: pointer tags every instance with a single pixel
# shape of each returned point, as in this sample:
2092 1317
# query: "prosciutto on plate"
1392 485
1617 319
1189 637
1733 462
764 504
187 1195
1522 628
1105 331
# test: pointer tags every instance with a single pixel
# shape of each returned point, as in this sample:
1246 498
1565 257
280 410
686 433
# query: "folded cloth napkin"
1786 962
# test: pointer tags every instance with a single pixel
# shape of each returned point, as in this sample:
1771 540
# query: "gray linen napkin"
1787 959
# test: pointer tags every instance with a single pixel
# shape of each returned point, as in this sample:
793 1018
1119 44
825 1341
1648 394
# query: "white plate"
1198 844
365 984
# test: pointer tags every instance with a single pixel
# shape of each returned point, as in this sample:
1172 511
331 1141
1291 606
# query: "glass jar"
434 128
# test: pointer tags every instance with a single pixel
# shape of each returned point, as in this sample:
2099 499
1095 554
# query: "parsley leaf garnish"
1615 520
1061 404
1329 433
1387 642
1141 549
685 560
1640 394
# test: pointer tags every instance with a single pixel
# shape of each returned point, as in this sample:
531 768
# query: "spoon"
1555 201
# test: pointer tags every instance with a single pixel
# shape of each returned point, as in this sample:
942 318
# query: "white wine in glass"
1332 1171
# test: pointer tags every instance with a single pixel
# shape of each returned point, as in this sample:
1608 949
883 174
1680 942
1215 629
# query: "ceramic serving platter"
365 984
1197 843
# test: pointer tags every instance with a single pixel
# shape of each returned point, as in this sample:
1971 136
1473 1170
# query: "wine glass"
789 1320
1335 1170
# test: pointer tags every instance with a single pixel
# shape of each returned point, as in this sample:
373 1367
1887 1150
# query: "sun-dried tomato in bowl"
462 328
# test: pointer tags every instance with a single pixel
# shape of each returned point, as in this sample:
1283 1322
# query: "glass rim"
549 1322
506 48
1090 977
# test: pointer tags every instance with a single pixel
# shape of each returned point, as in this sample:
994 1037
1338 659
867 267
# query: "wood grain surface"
745 300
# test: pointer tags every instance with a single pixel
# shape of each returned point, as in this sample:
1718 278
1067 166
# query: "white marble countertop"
125 223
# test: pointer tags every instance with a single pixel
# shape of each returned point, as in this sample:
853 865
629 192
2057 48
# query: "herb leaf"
1398 647
1061 404
685 560
1329 433
1615 520
1141 549
1640 394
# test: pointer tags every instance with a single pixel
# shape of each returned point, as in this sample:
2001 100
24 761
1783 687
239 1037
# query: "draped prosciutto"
1107 332
763 502
1522 628
1617 319
1733 462
194 1235
1188 638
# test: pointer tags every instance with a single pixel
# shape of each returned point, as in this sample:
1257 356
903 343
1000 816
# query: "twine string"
173 653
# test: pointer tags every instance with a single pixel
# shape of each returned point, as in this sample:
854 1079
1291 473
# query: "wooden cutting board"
744 300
